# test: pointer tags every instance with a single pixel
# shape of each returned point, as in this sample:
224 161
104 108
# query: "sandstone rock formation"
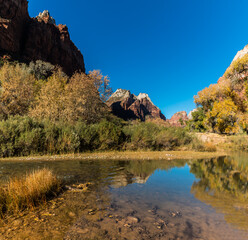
29 39
179 119
127 106
241 53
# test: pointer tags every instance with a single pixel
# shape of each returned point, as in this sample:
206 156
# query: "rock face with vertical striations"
29 39
127 106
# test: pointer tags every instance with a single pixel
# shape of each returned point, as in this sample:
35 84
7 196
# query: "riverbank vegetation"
223 107
43 111
27 192
23 136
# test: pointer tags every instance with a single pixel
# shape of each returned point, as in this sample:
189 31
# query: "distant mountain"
127 106
179 119
29 39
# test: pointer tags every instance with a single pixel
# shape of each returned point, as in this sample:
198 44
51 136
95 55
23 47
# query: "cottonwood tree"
18 89
102 84
223 117
50 102
82 100
69 100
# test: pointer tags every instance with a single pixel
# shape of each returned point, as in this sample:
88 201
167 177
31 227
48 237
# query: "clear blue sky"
170 49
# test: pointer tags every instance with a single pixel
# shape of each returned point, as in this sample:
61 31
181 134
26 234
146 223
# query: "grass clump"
28 192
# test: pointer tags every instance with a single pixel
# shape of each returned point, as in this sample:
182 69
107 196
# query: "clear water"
200 199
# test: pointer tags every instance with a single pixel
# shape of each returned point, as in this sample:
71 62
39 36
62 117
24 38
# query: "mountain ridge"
128 106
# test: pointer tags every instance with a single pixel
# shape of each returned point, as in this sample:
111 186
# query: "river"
153 199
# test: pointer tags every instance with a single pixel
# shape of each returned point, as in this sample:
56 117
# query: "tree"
223 117
213 93
243 122
18 89
197 121
102 84
50 102
41 70
82 100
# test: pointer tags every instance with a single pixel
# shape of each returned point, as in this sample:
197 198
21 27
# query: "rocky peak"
144 95
45 17
120 94
126 105
241 53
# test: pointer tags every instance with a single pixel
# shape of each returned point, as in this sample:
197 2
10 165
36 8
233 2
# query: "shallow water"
198 199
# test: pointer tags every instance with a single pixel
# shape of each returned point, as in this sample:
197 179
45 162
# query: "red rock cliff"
30 39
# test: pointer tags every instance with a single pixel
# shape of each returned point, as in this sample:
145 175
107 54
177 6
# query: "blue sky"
170 49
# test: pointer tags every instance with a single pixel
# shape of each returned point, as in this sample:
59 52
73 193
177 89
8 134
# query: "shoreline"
116 155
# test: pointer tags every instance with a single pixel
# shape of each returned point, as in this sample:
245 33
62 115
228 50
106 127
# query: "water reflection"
164 199
109 173
223 183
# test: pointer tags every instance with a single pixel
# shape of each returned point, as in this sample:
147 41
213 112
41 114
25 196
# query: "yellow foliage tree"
237 66
243 121
214 92
50 102
82 100
223 117
69 100
18 89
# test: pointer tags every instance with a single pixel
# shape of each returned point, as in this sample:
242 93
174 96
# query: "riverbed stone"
132 220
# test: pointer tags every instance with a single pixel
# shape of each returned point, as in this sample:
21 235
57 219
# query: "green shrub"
197 121
171 138
110 135
141 135
22 136
154 137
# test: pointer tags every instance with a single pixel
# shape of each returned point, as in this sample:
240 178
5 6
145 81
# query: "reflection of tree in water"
224 185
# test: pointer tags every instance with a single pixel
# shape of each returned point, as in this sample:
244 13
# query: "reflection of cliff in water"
224 185
140 171
102 172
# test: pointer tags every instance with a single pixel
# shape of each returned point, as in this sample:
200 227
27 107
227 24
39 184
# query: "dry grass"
210 147
27 192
